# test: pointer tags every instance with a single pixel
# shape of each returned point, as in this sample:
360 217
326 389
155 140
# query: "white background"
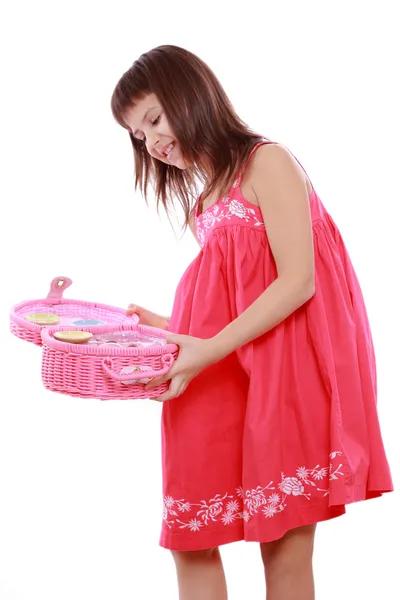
80 480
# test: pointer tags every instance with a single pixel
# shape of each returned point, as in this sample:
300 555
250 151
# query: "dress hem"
209 539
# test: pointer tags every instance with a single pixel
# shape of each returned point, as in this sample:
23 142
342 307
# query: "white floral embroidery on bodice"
231 209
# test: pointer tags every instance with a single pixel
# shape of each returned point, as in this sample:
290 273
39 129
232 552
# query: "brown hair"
211 136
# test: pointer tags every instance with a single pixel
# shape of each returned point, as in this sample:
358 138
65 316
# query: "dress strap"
256 147
248 159
197 206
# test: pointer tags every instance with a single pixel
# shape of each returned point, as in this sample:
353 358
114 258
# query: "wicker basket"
106 373
67 310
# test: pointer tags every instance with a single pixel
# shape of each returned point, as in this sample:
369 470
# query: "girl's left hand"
195 355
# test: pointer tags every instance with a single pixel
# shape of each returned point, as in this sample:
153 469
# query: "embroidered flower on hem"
226 508
169 502
291 485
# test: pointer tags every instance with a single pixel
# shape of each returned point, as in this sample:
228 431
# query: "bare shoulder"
271 161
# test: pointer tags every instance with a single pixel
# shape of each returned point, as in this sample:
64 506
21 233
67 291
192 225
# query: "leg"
288 565
200 575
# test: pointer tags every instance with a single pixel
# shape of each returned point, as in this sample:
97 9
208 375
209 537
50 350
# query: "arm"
280 187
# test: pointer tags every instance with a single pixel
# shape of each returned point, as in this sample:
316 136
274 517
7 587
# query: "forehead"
135 115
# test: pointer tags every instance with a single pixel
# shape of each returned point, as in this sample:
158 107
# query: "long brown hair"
211 136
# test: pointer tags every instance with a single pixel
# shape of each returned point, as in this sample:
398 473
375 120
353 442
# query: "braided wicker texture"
95 371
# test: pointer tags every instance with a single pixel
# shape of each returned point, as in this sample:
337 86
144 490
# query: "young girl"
271 423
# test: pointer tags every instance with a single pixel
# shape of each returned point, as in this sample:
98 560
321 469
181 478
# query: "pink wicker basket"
105 373
67 310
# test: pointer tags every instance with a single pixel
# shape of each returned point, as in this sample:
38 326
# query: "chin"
181 164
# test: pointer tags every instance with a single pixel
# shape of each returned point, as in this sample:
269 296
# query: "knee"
194 556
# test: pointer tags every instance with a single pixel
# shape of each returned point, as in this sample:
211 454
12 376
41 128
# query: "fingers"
161 379
147 317
157 381
174 338
175 390
164 397
134 309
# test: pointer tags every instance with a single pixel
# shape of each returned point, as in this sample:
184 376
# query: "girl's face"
148 123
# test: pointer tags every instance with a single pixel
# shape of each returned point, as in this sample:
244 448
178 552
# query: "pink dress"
284 432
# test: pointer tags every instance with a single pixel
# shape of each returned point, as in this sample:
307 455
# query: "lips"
166 150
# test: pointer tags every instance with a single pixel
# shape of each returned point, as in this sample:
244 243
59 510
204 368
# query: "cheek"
150 150
165 128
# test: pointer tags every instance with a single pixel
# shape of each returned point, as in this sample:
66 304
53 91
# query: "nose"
152 141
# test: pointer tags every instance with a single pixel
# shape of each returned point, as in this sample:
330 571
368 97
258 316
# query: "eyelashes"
154 123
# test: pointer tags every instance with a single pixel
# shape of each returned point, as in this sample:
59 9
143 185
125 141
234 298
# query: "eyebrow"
145 115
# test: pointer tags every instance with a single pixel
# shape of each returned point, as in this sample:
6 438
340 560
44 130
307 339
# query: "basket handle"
57 287
108 366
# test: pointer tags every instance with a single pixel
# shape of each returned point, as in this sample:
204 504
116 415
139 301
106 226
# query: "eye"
156 121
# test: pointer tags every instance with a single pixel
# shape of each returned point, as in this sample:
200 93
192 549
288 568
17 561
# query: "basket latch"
57 287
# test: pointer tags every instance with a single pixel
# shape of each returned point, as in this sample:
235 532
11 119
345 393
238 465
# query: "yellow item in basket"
73 337
43 318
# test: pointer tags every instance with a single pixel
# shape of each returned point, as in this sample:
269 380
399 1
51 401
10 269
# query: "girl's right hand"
146 317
